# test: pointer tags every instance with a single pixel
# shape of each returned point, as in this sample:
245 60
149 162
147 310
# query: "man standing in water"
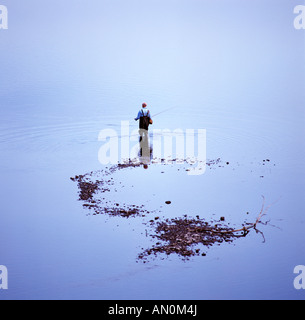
144 116
145 121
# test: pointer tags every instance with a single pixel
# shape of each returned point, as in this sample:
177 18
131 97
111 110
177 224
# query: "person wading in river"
145 121
144 117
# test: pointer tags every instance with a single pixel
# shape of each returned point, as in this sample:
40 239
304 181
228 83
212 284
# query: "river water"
231 68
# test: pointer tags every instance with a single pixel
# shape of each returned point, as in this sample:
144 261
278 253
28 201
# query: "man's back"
144 116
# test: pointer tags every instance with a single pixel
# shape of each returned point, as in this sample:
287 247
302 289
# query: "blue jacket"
142 112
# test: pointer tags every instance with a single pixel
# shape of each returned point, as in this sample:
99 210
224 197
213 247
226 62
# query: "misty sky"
71 50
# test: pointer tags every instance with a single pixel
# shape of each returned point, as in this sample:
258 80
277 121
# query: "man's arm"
138 116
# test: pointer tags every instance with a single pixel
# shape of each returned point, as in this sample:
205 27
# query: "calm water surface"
239 76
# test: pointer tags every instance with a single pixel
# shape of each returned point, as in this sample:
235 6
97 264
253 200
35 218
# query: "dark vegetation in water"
184 236
90 189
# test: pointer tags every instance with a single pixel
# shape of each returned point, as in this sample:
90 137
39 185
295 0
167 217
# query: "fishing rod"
133 125
163 111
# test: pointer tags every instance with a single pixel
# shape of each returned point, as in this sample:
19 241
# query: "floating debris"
90 189
181 236
91 192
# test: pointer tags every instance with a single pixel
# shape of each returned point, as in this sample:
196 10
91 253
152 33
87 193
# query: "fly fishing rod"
120 136
163 111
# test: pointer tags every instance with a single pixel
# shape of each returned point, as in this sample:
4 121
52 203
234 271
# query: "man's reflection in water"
146 150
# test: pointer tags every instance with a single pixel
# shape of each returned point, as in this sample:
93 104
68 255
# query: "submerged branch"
180 235
246 230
